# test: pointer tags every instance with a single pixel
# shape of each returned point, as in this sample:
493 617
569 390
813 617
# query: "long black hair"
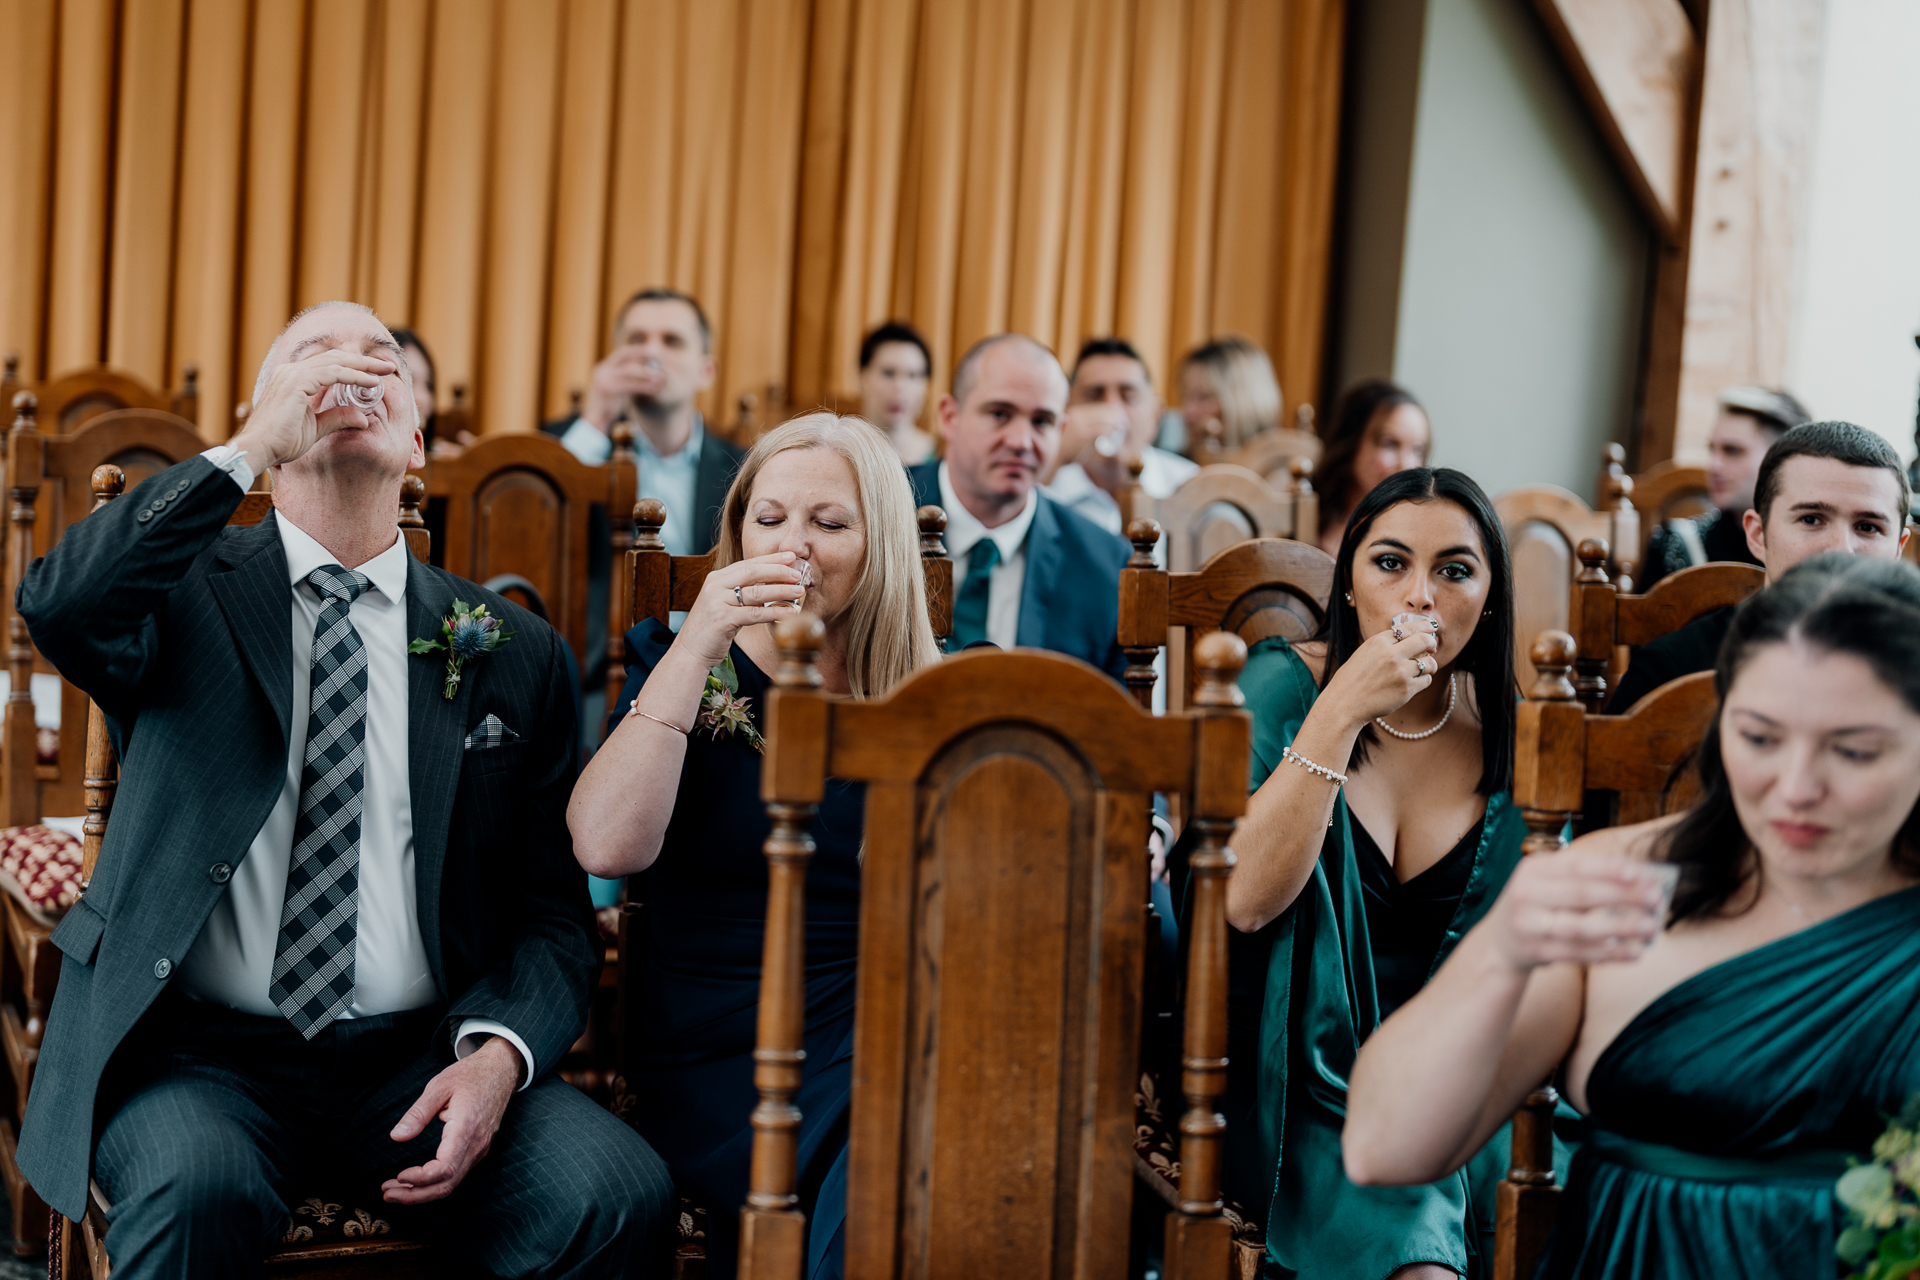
1869 608
1359 407
1488 655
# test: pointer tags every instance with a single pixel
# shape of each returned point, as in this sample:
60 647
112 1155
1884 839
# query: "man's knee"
195 1201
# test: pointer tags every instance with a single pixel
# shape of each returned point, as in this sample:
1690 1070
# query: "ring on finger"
738 598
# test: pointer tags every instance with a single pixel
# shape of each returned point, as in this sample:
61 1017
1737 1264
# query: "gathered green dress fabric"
1303 999
1723 1113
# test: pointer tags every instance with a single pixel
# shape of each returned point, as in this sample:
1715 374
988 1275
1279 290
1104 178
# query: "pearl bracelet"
1317 770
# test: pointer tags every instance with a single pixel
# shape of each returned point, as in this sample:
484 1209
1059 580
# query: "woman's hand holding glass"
1581 906
1389 668
743 594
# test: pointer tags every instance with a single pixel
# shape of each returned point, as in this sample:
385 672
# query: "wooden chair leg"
1527 1197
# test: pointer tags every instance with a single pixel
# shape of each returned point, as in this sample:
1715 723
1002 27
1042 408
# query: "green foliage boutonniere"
723 711
1882 1238
465 633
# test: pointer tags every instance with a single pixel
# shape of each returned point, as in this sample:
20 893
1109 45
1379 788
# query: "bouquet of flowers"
1882 1198
723 712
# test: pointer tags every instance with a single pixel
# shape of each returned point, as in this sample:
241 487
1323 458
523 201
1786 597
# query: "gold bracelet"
636 711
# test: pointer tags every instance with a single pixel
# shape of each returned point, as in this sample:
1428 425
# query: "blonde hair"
1243 380
888 634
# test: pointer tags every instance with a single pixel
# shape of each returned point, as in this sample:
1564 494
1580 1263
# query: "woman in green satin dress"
1733 1053
1346 898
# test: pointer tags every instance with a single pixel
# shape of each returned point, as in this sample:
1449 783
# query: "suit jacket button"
220 873
144 516
158 504
162 967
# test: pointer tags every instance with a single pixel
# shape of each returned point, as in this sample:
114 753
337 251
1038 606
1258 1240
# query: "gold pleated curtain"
182 175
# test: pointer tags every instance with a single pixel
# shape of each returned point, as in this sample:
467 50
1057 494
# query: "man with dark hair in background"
1751 419
1823 487
1032 573
662 359
1113 416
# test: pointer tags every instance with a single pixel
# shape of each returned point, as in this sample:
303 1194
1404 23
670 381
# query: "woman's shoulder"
1279 668
1637 840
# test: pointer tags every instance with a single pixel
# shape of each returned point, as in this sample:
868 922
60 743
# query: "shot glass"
351 395
806 580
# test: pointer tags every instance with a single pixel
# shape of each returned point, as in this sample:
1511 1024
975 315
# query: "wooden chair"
520 504
1255 589
1218 506
69 401
1606 623
1271 453
1665 491
1545 525
1562 752
326 1238
660 584
1006 832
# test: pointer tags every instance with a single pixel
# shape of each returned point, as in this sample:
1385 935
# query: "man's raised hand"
284 424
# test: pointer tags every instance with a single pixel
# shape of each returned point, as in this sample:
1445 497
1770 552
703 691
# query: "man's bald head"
277 353
966 374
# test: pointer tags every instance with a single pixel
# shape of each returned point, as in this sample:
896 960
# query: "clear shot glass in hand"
806 580
351 395
1666 877
1109 443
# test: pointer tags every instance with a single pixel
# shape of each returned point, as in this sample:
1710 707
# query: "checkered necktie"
313 966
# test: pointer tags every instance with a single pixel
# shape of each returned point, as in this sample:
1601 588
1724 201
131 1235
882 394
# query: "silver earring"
1349 597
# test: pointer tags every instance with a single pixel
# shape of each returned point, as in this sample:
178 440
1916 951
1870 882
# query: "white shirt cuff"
232 461
472 1033
587 442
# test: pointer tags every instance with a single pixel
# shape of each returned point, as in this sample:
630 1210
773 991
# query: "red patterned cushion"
40 867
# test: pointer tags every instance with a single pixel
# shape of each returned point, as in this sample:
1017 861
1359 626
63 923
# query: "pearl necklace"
1453 691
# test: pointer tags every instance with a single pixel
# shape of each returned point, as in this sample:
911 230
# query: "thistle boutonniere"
1882 1199
723 711
465 633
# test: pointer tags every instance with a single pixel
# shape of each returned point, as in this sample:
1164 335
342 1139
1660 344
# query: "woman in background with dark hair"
1733 1055
1379 830
420 362
1379 429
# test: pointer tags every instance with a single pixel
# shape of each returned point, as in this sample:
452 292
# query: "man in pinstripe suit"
337 920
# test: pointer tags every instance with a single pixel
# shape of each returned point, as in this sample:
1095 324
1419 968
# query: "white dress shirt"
231 962
671 477
1009 576
1160 474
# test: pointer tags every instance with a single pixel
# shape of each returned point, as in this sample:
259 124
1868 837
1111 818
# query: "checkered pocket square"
490 733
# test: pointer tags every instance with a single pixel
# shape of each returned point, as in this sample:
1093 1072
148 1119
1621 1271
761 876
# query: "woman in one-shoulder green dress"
1342 911
1733 1057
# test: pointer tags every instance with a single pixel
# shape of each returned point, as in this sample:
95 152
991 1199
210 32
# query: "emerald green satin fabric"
1719 1114
1318 1006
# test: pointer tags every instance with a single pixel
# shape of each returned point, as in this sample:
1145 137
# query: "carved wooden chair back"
660 584
1670 490
1255 589
1218 506
48 478
70 400
521 504
1607 623
1006 833
1545 525
1270 453
390 1256
1642 762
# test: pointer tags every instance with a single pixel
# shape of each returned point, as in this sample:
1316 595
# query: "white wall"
1525 260
1851 353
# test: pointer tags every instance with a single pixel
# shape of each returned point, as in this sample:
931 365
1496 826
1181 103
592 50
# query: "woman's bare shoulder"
1314 654
1635 841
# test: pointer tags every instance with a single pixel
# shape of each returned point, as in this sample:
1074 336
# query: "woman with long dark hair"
1379 429
1379 830
1732 1053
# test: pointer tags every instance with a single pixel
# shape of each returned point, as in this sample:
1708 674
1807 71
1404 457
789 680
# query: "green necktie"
970 604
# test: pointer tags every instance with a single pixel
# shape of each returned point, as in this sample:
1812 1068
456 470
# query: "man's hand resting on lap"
469 1097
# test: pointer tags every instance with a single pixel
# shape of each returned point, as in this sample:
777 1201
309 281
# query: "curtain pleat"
501 174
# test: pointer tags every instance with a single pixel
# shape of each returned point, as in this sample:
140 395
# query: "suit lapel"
436 736
256 599
1043 570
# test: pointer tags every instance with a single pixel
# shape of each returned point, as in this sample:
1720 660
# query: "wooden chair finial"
649 518
413 493
576 400
1136 464
1218 659
108 483
799 639
1553 655
1300 467
1144 534
25 406
12 367
191 375
933 529
622 437
1619 492
1593 554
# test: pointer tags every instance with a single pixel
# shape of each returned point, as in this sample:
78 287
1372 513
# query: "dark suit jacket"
178 626
1070 598
719 460
1694 647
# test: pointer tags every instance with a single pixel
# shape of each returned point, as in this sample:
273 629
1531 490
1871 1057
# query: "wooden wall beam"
1636 62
